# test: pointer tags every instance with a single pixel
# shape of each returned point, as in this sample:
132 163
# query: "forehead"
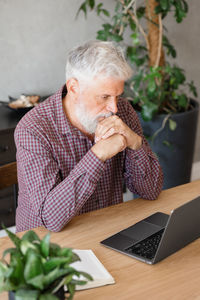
109 86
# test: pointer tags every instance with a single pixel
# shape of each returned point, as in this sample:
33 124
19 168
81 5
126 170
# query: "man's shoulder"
43 115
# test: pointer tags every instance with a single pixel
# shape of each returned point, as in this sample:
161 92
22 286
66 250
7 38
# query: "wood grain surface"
176 277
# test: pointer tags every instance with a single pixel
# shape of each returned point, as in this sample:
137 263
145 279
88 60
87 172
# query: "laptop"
159 235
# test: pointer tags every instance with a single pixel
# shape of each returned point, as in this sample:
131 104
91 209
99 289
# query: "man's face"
98 99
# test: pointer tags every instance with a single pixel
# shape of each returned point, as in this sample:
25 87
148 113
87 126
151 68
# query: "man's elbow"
154 190
55 226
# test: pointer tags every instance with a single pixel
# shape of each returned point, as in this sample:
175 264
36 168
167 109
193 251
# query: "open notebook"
89 263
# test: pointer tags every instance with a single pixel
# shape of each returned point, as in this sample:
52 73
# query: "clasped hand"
113 136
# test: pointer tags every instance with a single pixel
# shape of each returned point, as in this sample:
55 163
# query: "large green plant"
157 86
38 269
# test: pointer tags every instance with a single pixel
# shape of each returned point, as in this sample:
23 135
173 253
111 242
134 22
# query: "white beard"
88 121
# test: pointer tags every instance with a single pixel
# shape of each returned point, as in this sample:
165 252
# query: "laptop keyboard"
147 248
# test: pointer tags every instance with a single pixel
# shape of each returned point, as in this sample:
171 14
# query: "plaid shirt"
60 177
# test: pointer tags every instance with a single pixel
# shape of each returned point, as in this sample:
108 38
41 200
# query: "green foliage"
180 8
154 90
37 269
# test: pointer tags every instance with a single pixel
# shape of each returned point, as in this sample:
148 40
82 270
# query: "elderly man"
75 149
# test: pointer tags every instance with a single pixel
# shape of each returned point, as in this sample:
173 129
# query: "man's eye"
105 97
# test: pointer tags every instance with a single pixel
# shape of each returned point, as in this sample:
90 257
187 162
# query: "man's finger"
109 133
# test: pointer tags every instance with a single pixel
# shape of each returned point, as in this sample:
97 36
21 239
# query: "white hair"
97 58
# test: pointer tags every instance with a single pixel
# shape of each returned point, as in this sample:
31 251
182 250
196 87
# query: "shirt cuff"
139 158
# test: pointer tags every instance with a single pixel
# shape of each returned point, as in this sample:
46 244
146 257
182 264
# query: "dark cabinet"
7 146
8 122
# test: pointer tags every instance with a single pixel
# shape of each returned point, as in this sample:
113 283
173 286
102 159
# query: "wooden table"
176 277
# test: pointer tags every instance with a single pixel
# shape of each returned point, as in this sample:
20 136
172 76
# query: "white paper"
89 263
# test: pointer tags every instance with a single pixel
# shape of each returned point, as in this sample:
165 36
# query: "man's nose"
112 106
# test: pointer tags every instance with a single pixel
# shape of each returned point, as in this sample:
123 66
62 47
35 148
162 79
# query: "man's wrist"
99 153
137 144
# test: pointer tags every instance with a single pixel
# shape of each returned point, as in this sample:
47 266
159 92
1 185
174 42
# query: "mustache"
103 116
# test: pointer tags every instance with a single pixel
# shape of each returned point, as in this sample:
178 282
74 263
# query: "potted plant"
158 89
38 269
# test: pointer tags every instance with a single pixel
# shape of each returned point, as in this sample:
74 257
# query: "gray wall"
36 34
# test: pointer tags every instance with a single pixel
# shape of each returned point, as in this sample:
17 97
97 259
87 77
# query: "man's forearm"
143 174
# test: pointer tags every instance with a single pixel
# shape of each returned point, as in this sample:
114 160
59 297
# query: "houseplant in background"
38 269
158 89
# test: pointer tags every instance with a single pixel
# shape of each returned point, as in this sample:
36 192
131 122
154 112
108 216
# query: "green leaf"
182 101
140 12
172 124
26 245
45 245
13 237
164 4
185 6
149 109
3 268
98 8
137 80
82 8
37 282
66 252
115 37
91 3
102 35
132 24
68 279
179 11
177 76
54 250
26 294
48 297
55 274
78 282
105 33
30 236
33 265
107 26
168 144
17 264
170 48
71 289
9 251
7 285
134 55
74 257
192 88
86 275
136 100
151 85
174 95
135 38
105 12
55 262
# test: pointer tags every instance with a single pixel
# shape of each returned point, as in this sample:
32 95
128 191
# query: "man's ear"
73 88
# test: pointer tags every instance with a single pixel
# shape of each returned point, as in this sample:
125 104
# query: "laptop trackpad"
140 230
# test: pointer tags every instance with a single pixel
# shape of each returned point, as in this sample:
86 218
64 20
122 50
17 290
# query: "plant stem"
156 53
